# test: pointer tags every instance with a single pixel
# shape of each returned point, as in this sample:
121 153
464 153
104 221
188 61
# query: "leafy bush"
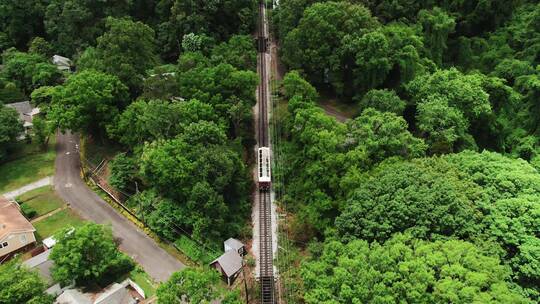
28 211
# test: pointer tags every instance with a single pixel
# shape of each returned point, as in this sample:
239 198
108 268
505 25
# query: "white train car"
264 165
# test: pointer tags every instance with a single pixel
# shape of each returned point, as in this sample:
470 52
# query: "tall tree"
309 48
444 127
437 25
219 19
450 88
20 21
87 102
10 128
76 24
126 50
375 136
426 196
19 284
195 286
29 71
204 177
88 255
383 101
239 51
408 270
146 121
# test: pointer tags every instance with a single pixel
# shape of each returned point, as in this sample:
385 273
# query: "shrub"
28 211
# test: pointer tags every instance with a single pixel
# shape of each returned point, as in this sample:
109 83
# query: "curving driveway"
69 185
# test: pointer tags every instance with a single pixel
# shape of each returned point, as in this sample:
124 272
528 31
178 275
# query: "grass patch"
56 222
29 164
144 281
43 200
194 251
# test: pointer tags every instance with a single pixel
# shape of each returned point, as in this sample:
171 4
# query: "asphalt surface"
70 186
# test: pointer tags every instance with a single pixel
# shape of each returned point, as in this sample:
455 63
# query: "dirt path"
328 109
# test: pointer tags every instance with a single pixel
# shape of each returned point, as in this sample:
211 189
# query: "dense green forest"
431 194
170 82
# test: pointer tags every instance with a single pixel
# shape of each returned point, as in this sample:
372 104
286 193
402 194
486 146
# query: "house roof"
230 262
60 60
234 244
72 296
116 294
42 263
24 108
12 220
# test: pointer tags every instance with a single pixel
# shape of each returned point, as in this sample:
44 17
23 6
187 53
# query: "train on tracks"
264 168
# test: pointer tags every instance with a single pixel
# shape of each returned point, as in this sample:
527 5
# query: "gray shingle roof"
116 294
72 296
230 262
23 108
42 263
234 244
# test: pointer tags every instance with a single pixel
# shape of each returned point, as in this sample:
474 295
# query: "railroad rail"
266 258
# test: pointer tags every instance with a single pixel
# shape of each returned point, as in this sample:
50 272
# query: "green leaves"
203 176
29 71
383 101
10 128
442 125
126 50
195 286
427 196
405 269
437 25
219 19
18 284
88 255
87 102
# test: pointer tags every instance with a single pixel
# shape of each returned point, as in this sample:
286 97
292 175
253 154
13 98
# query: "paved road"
40 183
69 185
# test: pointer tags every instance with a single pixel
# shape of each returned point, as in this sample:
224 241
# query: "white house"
62 63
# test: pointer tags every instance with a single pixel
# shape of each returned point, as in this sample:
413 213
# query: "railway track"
266 259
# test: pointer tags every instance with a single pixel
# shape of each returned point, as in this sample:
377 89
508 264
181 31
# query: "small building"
16 232
72 296
62 63
126 292
236 245
42 264
49 242
229 265
26 113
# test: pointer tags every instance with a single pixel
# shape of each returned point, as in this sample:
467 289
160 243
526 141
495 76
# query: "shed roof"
72 296
61 60
42 263
12 220
116 294
24 108
234 243
230 262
